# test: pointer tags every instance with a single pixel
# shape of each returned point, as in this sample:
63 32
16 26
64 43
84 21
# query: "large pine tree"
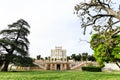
14 43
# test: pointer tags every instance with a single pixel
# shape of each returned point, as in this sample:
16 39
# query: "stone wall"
111 67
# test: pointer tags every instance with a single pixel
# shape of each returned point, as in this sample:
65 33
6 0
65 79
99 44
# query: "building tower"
58 54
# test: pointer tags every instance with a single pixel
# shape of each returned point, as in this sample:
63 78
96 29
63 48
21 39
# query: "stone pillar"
22 68
70 65
55 66
65 66
16 67
46 66
61 66
51 66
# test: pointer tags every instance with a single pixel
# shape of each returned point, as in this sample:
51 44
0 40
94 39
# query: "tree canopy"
98 12
14 43
104 51
38 57
104 17
81 57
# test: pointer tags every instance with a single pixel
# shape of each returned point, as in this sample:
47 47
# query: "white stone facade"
58 54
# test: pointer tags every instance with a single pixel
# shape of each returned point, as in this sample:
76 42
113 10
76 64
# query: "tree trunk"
5 67
118 64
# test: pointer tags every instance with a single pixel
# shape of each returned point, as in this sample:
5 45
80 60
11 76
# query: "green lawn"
59 75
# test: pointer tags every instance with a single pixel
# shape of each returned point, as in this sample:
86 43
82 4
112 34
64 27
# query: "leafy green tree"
106 44
103 17
14 42
78 57
68 58
46 58
73 56
106 48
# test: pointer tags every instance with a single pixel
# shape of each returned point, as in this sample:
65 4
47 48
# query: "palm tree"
38 57
14 42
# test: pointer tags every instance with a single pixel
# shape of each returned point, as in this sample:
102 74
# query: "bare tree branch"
84 40
101 9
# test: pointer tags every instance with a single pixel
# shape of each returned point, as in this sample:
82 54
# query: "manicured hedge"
92 69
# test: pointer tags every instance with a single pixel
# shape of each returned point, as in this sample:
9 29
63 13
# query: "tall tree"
14 42
1 60
78 57
106 45
73 56
38 57
91 58
68 58
105 51
103 16
96 12
46 58
84 56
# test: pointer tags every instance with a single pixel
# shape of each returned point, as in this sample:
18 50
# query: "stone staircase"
77 65
72 65
40 65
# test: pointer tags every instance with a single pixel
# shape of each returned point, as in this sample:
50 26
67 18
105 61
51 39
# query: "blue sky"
52 24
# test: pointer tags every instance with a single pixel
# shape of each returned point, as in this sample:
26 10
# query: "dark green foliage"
46 58
73 56
83 57
14 43
68 57
78 57
38 57
92 69
91 58
23 61
1 60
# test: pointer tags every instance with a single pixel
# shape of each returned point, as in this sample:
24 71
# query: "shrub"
92 69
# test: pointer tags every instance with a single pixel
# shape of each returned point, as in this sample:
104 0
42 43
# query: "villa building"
58 60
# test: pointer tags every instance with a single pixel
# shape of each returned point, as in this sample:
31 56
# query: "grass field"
59 75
